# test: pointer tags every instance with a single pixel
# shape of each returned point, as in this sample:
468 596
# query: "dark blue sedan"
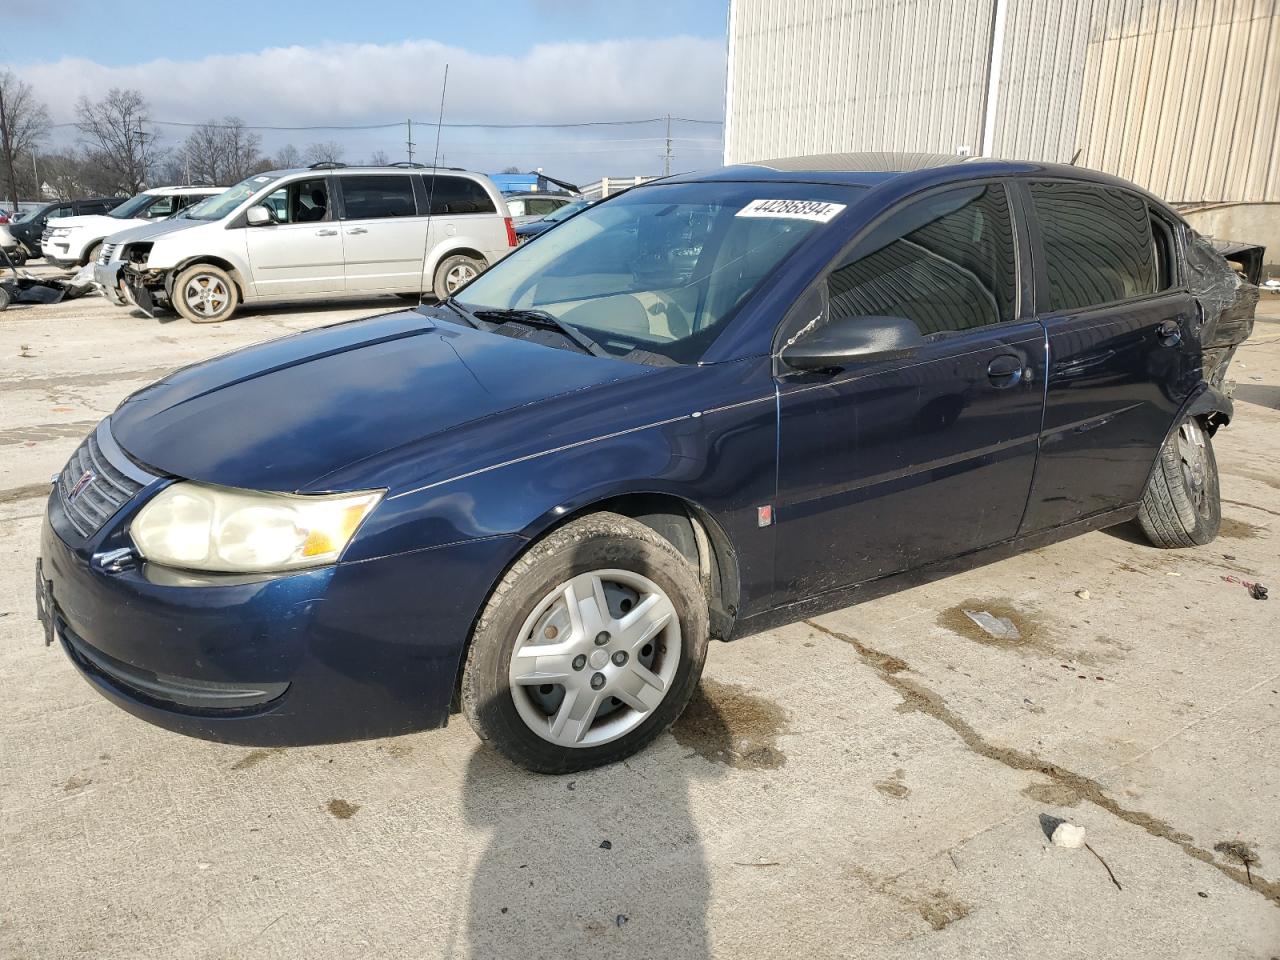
710 405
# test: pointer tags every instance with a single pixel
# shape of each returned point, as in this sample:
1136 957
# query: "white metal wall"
1181 96
827 76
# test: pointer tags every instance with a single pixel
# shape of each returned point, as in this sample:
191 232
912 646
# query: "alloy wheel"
1191 456
595 657
206 295
458 275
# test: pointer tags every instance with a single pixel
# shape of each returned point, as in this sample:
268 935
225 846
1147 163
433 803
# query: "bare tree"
379 158
327 152
288 157
221 152
23 123
116 134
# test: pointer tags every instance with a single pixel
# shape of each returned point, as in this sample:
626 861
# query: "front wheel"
590 647
1181 505
205 294
455 272
92 255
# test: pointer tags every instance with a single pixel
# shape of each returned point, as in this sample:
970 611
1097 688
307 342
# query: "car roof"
868 169
202 188
541 195
344 169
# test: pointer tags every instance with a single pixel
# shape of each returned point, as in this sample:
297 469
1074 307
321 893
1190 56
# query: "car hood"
151 229
284 414
96 223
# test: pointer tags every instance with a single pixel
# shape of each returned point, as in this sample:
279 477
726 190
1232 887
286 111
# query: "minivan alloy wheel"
595 657
206 294
458 275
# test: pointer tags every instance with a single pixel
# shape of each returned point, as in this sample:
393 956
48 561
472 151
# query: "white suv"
326 231
75 241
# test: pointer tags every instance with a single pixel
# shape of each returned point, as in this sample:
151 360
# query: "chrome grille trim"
113 480
108 250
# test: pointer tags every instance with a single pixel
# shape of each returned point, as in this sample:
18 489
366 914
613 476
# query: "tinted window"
96 206
303 201
457 195
1097 244
946 263
56 212
377 197
160 208
542 207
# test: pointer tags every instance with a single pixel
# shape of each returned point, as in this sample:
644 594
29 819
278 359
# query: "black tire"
19 257
1181 506
5 299
217 278
445 274
600 541
92 255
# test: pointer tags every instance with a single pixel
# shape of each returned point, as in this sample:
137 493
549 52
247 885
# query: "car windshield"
219 205
132 206
563 213
658 271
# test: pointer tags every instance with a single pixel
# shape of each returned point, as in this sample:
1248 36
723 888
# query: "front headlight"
195 526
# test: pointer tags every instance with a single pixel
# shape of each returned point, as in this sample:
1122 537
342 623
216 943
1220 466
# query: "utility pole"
142 155
666 160
409 142
35 175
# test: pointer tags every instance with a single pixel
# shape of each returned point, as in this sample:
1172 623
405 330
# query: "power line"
397 123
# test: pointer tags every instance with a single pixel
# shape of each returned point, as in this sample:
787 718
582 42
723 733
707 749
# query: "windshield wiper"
464 314
548 321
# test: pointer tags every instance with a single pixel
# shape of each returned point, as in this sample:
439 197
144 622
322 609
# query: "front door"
892 464
1123 347
300 252
384 238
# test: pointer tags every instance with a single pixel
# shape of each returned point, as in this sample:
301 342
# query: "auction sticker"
817 210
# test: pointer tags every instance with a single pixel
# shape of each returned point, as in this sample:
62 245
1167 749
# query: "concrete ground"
874 783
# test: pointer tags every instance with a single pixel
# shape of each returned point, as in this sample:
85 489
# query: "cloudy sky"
325 63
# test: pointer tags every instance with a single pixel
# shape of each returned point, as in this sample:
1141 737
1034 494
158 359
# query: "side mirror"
849 339
259 215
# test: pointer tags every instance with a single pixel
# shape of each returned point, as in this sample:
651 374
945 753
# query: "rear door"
383 234
463 215
300 252
1123 345
893 464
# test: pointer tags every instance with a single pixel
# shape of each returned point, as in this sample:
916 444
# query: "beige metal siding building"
1180 96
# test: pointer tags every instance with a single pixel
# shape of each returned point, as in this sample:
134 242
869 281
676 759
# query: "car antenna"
1075 156
431 191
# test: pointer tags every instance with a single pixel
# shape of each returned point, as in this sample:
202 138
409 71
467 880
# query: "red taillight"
511 232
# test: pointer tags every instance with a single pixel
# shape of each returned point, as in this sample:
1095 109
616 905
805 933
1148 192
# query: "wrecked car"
714 404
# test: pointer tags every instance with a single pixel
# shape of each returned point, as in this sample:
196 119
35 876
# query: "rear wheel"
5 299
205 294
589 648
1181 505
454 272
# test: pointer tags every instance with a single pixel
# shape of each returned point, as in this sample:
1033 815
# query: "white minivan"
322 232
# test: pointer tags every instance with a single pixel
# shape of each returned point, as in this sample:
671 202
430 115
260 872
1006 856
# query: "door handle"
1005 371
1170 333
326 233
355 230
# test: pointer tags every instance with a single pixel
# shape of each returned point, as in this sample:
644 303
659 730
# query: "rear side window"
946 262
1098 246
457 195
378 197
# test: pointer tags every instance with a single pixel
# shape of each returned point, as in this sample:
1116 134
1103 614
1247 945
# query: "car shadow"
1259 394
608 862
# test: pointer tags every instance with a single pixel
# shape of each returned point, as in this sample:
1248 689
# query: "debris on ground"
1256 590
606 845
1237 850
1002 628
1068 835
1082 594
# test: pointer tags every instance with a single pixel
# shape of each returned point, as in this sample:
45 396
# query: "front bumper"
59 254
108 277
356 650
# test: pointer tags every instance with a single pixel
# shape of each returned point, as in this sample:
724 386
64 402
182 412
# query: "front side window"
58 212
160 208
378 197
303 201
659 269
456 195
541 207
945 263
1098 246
